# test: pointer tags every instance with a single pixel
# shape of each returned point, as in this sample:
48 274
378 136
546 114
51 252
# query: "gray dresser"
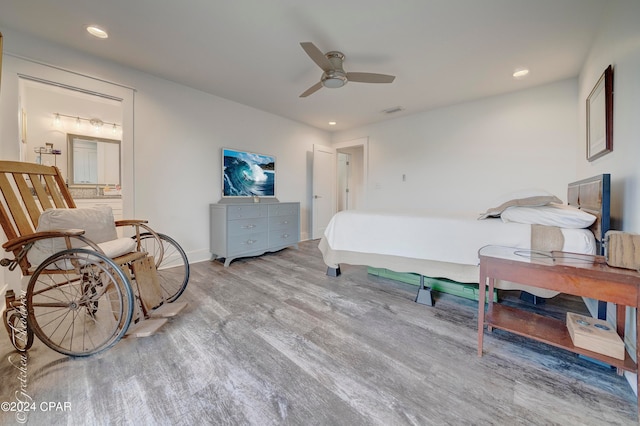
251 229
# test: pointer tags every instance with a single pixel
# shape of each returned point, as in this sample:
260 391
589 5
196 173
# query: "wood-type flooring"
272 340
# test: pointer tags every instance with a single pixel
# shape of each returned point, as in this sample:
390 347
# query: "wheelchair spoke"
60 283
81 311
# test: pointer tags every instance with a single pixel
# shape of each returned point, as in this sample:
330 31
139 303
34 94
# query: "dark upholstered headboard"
593 195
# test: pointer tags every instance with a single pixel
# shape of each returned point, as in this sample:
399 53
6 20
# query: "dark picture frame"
600 117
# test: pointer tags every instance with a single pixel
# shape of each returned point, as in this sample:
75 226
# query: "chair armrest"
16 243
130 222
137 224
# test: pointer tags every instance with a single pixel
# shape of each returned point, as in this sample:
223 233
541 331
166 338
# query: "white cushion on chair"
115 248
97 222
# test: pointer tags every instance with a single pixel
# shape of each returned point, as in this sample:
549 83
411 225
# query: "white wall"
460 158
618 44
178 133
179 136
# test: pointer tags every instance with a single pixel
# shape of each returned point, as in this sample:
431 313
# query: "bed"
447 247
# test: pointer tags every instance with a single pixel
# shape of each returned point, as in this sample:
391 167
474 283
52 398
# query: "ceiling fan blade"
312 89
316 55
367 77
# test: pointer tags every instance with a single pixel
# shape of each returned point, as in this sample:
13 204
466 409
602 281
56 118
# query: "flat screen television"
248 174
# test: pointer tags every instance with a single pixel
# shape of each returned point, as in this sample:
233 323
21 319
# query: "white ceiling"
442 52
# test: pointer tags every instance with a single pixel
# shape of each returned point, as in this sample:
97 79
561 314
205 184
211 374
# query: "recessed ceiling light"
332 123
520 73
97 31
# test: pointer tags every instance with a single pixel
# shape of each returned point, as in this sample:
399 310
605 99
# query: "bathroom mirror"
93 161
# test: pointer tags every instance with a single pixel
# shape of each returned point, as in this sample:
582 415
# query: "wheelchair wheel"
79 302
19 332
171 263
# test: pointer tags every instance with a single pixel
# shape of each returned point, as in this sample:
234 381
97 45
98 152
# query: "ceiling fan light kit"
334 80
334 76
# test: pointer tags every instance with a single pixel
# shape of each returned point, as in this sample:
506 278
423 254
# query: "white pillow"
562 216
97 222
525 197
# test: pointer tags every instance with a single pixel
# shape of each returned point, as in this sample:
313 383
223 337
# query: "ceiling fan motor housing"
335 77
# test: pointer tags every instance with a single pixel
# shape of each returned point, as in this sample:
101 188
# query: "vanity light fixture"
96 123
332 123
520 73
97 31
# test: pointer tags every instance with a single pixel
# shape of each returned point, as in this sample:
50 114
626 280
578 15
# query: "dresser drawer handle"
248 226
285 222
251 241
285 235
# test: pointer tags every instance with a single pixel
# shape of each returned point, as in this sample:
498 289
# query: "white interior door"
357 150
344 183
324 189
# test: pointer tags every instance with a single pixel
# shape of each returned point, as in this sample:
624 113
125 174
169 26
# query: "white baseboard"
201 255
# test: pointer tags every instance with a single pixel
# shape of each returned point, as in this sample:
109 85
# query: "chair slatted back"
27 190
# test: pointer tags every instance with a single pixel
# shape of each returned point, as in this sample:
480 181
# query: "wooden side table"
577 274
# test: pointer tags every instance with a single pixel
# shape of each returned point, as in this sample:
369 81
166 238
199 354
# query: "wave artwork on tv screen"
247 174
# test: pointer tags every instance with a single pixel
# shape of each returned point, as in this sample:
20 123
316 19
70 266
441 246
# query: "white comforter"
453 239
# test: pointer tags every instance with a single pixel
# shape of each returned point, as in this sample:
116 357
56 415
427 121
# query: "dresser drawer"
246 211
277 223
246 226
283 209
248 243
282 238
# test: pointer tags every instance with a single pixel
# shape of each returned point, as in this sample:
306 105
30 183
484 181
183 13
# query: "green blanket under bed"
443 285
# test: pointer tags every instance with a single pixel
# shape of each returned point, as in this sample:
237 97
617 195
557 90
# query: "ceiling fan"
334 75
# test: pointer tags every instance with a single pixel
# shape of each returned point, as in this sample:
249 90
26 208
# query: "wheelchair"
85 286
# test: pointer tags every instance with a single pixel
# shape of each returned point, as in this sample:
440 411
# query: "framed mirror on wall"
600 117
93 161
